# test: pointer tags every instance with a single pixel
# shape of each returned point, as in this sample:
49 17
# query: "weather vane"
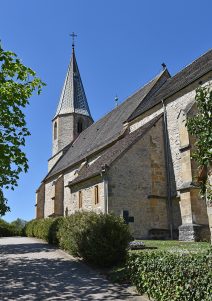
73 35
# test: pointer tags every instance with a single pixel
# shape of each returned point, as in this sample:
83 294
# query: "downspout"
168 175
105 181
105 184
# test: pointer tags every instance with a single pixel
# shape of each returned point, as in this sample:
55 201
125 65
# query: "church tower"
73 113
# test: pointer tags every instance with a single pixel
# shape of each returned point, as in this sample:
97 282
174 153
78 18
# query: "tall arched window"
79 126
55 130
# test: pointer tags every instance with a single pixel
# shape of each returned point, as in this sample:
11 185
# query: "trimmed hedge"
44 229
166 276
101 239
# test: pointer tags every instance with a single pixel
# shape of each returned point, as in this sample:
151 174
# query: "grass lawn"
174 246
119 273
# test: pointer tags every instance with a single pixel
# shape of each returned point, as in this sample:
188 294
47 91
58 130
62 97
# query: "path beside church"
33 270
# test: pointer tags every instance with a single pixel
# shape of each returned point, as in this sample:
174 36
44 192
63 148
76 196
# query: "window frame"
96 194
55 130
80 199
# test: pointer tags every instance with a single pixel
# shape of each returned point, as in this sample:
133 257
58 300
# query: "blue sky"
120 46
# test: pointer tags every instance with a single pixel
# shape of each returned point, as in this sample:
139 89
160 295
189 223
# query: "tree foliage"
17 84
200 126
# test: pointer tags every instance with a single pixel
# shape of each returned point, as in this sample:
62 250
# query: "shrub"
168 276
53 230
7 229
28 229
44 229
101 239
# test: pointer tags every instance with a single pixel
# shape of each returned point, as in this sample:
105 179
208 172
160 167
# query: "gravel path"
30 269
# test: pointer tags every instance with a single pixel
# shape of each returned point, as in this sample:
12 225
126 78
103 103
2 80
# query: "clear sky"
120 46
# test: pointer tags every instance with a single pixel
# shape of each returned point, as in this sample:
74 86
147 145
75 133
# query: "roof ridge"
149 92
193 62
118 107
136 91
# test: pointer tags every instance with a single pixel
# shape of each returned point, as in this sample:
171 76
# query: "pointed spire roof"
73 98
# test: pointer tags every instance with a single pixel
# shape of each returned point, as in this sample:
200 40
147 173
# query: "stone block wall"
65 130
59 197
137 183
40 199
87 190
86 122
49 198
52 161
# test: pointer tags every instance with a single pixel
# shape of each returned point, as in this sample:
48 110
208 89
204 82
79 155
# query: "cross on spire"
73 35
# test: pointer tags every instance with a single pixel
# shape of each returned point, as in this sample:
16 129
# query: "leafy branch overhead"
17 84
200 126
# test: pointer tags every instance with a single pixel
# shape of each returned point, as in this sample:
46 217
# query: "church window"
80 199
55 130
79 126
96 194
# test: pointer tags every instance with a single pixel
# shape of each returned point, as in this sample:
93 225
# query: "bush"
45 229
7 229
177 277
100 239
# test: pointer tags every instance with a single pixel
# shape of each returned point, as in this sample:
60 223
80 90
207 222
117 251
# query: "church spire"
73 98
73 115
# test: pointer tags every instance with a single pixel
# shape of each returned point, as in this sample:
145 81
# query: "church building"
134 162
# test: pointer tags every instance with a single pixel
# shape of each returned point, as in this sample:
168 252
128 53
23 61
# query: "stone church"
135 161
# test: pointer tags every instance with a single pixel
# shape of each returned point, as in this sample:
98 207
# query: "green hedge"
101 239
44 229
6 229
166 276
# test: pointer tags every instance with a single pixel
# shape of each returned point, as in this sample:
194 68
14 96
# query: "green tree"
200 126
19 225
17 84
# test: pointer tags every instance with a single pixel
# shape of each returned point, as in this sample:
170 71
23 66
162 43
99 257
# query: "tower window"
79 126
55 130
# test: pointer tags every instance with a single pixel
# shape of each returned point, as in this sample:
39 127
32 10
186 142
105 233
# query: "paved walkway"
30 270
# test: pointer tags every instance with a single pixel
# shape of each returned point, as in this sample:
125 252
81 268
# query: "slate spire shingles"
73 98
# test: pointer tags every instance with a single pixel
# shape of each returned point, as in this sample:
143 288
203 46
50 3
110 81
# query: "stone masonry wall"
88 196
49 198
52 161
40 197
86 122
137 183
68 177
65 132
174 104
59 196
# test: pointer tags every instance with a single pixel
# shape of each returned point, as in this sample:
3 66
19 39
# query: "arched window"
55 130
79 126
